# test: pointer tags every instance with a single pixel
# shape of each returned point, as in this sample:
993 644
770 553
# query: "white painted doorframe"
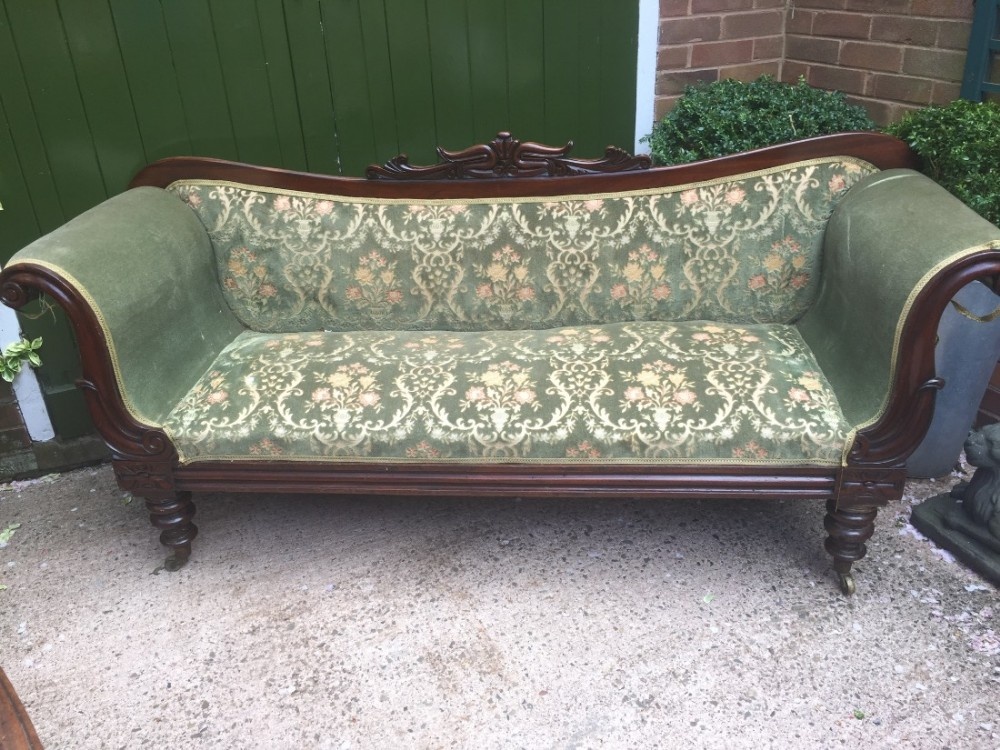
645 77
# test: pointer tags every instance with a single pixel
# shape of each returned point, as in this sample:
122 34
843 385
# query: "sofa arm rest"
896 249
139 268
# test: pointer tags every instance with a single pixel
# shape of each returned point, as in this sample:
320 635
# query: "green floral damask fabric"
624 392
739 250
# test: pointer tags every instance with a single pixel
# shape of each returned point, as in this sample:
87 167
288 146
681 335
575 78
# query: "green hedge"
959 146
729 116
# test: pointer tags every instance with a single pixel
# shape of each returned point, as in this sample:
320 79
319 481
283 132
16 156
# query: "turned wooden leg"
172 514
849 527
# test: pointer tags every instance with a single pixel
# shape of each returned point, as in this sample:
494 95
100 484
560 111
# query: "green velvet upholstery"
744 249
886 237
145 263
653 326
644 391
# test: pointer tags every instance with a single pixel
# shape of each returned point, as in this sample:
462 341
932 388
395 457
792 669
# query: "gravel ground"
309 622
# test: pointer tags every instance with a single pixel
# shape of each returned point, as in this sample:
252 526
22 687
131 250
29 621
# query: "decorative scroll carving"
505 156
143 477
126 437
17 295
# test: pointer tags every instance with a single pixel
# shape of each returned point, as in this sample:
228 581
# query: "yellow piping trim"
665 190
819 464
904 314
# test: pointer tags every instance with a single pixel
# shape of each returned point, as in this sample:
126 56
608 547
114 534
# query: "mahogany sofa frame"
146 462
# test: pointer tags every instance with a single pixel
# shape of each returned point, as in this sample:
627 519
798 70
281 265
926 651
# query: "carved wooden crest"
505 156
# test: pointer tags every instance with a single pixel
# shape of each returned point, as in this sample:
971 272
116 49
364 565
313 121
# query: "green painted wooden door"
92 90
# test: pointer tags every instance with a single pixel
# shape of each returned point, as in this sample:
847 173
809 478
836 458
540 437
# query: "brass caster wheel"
846 583
171 564
177 559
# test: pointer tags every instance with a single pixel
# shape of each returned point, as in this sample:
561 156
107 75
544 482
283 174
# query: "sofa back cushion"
743 250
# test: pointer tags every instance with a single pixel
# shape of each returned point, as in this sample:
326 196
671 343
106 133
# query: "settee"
515 322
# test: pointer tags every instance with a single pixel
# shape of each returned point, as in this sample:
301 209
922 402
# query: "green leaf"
859 714
7 534
16 354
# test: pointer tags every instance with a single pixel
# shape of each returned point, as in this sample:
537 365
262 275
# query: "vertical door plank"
526 69
447 32
25 135
410 63
488 65
55 99
103 86
281 80
562 71
241 56
591 59
202 91
304 22
345 57
377 62
620 48
145 48
18 225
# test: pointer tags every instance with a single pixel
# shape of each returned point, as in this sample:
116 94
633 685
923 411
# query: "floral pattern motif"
376 289
248 278
643 282
739 250
508 285
638 391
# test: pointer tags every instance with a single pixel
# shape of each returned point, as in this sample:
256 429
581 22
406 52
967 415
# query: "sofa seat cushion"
618 393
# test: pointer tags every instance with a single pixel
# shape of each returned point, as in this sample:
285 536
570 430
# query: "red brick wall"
891 56
705 40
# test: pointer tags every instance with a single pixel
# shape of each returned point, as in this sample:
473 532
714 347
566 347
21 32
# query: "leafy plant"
960 148
7 534
15 355
729 116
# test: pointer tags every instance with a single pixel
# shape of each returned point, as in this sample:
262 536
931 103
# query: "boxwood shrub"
959 146
729 116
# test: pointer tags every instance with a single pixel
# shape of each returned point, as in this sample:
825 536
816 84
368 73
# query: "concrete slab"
311 622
